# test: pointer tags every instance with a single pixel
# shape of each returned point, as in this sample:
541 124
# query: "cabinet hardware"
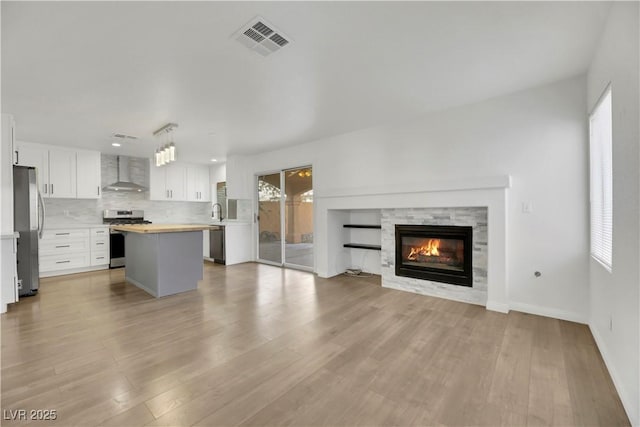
98 190
100 257
99 232
63 246
62 234
45 188
167 194
17 157
99 243
51 188
62 262
171 193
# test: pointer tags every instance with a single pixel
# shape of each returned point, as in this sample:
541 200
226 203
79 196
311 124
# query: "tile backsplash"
66 211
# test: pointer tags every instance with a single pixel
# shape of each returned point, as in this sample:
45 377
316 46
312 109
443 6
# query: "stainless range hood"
123 183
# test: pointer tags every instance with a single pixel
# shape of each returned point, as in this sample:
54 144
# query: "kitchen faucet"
213 210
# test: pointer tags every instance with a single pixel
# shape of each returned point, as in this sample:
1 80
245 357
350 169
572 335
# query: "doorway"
285 218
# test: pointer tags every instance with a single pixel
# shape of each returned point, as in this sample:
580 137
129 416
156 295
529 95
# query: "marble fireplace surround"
475 217
333 207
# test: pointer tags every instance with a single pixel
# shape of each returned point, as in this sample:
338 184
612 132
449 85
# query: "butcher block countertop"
160 228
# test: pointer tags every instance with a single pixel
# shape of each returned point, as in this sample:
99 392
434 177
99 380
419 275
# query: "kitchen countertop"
225 222
160 228
63 226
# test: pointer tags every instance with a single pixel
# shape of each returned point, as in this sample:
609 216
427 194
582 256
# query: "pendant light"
165 153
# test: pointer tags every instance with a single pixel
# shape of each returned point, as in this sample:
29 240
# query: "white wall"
615 296
537 136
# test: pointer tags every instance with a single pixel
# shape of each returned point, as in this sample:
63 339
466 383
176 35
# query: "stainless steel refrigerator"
28 220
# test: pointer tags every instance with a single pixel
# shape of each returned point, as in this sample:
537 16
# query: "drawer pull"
99 243
99 232
62 234
62 262
99 257
63 246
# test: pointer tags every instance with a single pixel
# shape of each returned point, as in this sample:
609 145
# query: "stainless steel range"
116 241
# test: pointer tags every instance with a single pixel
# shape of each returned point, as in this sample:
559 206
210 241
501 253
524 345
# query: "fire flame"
430 249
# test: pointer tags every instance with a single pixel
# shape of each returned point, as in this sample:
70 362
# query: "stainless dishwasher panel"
216 245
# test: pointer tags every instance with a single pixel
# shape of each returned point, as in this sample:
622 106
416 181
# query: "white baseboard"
548 312
497 306
626 401
72 271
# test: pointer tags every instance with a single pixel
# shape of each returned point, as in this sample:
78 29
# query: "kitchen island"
163 259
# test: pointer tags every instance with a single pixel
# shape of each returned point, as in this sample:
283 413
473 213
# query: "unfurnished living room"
320 213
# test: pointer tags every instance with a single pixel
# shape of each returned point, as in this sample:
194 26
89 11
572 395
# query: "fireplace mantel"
460 184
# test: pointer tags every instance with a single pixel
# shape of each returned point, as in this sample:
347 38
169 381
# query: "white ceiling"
73 73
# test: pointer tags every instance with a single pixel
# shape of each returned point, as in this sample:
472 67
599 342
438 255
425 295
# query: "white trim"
463 184
498 307
627 403
548 312
44 274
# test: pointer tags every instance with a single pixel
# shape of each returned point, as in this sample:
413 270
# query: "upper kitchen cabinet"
88 174
198 188
35 155
56 168
168 182
62 173
179 182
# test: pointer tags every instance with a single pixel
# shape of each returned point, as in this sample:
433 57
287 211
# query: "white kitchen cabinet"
99 246
6 175
168 182
198 186
9 279
88 175
35 155
8 242
157 182
177 181
56 168
62 173
65 251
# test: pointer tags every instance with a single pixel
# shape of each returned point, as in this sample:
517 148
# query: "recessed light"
116 144
214 160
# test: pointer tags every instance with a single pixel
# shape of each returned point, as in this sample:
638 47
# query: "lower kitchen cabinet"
74 250
9 278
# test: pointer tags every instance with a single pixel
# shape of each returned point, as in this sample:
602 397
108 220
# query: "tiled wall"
468 216
90 210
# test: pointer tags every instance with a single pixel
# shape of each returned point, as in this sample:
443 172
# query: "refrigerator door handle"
41 214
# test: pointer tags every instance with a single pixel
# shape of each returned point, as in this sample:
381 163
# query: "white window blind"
601 177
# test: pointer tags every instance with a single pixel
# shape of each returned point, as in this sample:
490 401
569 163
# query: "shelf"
373 226
363 246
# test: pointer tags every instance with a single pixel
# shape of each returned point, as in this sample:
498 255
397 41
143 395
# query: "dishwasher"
216 244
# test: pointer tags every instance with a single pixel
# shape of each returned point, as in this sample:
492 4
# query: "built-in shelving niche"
363 245
362 240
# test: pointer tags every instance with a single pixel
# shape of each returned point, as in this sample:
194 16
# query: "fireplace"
435 252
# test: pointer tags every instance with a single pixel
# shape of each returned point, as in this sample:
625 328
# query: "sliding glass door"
269 218
285 218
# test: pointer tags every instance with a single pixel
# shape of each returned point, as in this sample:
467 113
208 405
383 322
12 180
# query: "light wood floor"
259 345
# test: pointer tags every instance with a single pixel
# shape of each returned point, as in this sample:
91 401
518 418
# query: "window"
600 141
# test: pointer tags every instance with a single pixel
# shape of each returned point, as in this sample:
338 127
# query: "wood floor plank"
260 345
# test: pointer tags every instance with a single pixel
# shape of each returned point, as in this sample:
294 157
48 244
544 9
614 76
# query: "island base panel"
164 263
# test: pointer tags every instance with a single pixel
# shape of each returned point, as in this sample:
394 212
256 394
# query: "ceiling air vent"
123 136
262 37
